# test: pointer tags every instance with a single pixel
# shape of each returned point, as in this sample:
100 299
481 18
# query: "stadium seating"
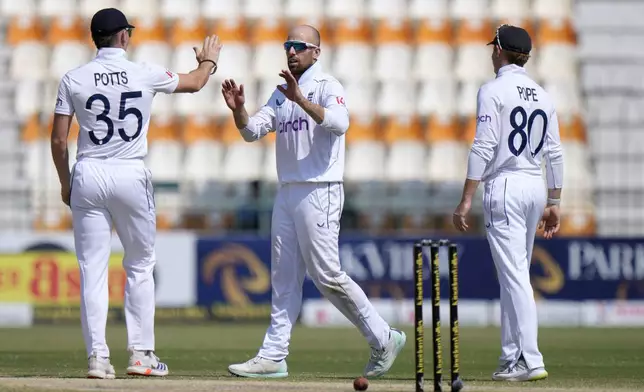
411 70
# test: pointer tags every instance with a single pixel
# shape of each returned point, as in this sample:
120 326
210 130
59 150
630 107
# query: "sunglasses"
298 46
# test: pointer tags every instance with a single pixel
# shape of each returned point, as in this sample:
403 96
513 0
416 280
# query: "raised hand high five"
233 94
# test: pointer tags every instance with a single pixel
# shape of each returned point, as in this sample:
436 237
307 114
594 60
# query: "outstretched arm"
167 82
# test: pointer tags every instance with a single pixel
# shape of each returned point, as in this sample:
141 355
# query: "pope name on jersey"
517 127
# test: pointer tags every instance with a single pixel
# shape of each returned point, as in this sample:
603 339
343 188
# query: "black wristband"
210 61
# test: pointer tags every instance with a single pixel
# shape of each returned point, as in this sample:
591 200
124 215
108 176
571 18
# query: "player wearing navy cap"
110 186
516 129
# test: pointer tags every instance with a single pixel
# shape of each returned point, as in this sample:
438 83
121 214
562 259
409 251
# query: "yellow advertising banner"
52 278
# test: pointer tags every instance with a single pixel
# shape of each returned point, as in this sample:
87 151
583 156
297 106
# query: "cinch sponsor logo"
484 118
298 124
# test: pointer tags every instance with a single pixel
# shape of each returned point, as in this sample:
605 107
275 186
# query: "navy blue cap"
512 39
108 21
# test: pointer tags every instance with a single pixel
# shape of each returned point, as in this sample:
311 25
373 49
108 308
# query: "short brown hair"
515 58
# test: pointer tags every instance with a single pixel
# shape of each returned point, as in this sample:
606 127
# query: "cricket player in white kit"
110 185
517 128
310 118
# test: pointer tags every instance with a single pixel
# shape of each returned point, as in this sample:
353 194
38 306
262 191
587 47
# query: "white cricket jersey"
516 128
306 151
112 99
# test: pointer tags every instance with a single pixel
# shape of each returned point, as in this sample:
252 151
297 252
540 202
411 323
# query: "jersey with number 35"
112 99
517 126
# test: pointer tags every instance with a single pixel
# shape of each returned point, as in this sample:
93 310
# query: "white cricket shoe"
519 372
259 367
382 360
503 367
100 367
145 363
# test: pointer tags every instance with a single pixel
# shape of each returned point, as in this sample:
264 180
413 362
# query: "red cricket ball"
360 384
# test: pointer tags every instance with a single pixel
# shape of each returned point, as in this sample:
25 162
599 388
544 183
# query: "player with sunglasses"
309 115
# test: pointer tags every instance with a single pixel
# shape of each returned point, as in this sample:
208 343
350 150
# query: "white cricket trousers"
513 207
119 194
304 237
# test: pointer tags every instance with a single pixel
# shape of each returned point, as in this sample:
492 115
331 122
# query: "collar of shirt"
110 53
308 75
510 68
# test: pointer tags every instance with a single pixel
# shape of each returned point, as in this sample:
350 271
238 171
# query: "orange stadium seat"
353 59
204 150
236 63
29 57
557 51
407 149
393 53
188 32
23 29
434 55
473 57
269 58
148 29
242 160
69 49
366 151
447 158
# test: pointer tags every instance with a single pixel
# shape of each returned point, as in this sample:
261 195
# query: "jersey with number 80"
517 125
112 100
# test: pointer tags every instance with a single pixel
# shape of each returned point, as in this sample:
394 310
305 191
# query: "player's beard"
297 69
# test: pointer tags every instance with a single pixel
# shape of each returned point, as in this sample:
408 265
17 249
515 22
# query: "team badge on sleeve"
340 100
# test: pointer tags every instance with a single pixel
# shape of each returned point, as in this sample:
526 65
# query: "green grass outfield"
53 358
